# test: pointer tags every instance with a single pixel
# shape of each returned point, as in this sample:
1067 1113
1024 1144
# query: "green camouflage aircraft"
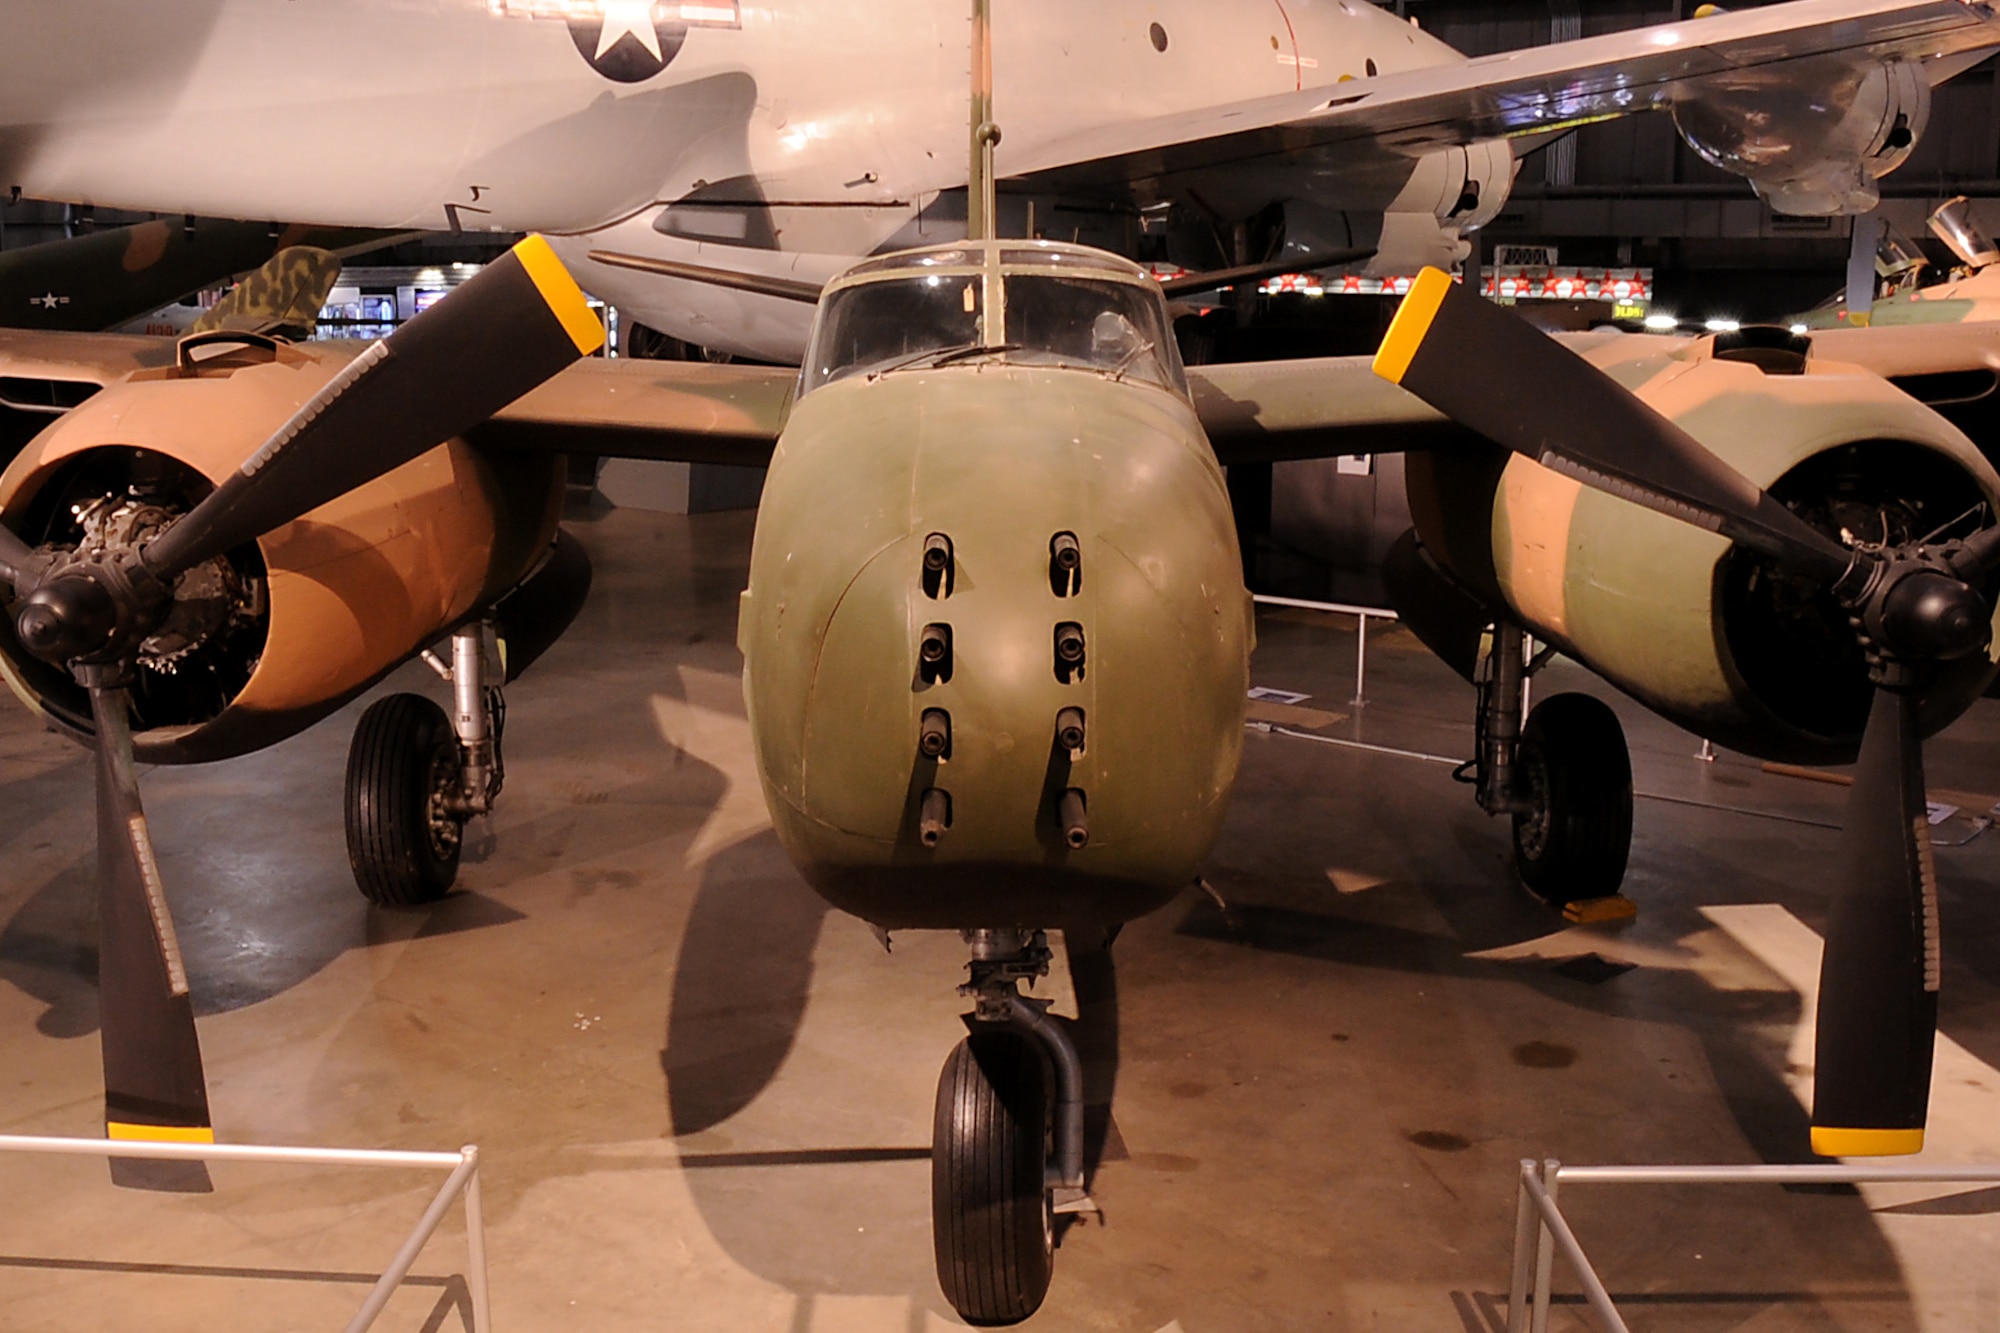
104 278
996 636
1970 292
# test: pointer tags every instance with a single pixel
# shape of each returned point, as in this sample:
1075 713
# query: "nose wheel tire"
990 1207
1576 775
403 838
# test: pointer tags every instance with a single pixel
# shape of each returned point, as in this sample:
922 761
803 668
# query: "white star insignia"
634 17
49 302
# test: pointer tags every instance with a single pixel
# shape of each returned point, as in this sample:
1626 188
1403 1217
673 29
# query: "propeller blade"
514 325
15 557
153 1087
1879 976
1492 371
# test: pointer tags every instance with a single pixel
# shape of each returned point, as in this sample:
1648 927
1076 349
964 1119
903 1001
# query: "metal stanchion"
1542 1189
1362 615
1525 1214
464 1179
1536 1202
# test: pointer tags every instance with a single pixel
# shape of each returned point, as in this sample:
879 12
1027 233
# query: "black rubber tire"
990 1208
403 756
1574 766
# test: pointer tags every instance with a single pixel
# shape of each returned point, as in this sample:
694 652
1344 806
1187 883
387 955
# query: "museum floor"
704 1102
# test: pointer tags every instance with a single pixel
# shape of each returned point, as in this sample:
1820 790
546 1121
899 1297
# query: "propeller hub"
92 607
67 618
1929 614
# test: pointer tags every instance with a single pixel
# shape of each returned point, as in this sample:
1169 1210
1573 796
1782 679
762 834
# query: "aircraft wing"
1517 94
1272 411
684 410
687 411
43 375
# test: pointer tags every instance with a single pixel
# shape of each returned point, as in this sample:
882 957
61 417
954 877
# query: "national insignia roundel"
627 41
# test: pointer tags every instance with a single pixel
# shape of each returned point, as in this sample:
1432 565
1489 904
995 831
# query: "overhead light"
1722 326
1798 328
1662 323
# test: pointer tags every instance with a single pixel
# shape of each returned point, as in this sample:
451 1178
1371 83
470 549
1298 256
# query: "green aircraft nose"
1059 568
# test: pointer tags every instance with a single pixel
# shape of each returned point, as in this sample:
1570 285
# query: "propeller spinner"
1915 605
515 324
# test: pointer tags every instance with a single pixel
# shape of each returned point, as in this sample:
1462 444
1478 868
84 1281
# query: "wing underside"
1514 95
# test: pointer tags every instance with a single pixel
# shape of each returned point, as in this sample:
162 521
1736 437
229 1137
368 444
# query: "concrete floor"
704 1101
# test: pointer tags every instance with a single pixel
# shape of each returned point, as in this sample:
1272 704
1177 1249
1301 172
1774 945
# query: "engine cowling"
1811 144
280 633
1718 639
1446 194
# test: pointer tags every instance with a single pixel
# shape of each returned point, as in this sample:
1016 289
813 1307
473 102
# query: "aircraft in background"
105 278
764 139
1969 291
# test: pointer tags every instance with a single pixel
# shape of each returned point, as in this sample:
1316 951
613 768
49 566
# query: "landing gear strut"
415 775
1007 1142
1565 777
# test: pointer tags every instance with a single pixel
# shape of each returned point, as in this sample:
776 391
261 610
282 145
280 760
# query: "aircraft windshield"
878 324
1074 321
1052 319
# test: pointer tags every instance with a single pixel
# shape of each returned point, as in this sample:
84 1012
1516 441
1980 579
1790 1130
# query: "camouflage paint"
999 459
355 586
1631 592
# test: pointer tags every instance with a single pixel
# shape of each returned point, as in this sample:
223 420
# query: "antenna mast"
981 222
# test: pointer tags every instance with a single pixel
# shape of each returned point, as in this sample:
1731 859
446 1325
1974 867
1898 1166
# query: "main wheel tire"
402 770
1574 768
990 1207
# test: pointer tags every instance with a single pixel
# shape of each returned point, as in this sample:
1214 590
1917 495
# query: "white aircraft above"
786 138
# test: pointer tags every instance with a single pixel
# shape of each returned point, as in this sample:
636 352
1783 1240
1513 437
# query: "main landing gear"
415 775
1565 777
1007 1143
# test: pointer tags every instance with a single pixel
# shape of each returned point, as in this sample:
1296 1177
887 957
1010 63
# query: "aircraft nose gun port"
938 565
1074 818
934 653
1069 729
933 816
934 733
1065 565
1069 651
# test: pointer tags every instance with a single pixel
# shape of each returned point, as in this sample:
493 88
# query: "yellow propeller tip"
1412 324
565 299
1830 1142
127 1133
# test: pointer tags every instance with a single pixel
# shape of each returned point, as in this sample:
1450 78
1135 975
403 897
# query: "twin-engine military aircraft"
789 138
1006 694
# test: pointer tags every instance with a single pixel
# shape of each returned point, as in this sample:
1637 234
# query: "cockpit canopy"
1030 303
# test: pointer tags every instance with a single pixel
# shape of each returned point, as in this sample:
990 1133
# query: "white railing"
463 1180
1536 1203
1362 614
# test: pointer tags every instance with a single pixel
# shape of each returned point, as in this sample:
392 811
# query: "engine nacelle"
310 615
1814 144
1717 639
1447 194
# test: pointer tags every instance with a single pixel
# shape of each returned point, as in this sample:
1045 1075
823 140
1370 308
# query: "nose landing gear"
1007 1141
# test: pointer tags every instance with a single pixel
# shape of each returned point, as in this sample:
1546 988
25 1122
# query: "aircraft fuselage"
795 135
993 465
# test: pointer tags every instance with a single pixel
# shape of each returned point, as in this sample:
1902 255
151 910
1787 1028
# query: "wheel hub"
1531 828
444 827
